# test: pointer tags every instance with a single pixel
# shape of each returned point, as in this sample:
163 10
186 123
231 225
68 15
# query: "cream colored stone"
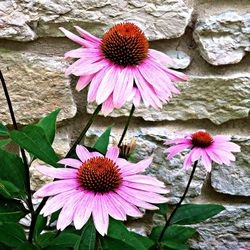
36 85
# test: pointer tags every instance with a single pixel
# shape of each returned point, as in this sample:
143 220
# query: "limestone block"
27 20
217 98
234 180
224 38
36 85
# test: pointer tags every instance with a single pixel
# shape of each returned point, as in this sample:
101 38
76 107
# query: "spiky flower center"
99 174
125 44
201 139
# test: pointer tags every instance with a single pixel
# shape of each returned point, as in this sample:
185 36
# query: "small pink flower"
204 146
101 186
120 67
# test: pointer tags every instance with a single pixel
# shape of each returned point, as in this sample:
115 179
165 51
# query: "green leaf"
11 210
33 139
163 208
12 169
12 234
195 213
143 239
114 244
3 130
4 142
87 239
48 124
4 247
174 233
103 141
40 225
64 240
43 240
118 231
175 245
26 246
9 190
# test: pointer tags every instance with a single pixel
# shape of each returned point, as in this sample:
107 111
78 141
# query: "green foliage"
163 208
4 142
48 124
87 238
26 246
103 141
11 211
40 225
195 213
33 139
12 234
113 244
9 190
120 233
174 237
3 130
64 239
12 170
43 240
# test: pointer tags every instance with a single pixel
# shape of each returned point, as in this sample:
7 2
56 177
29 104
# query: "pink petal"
113 153
226 146
129 208
56 187
145 187
174 150
130 168
197 152
161 57
84 209
137 98
82 153
88 36
123 87
59 173
206 161
95 83
83 52
76 38
114 211
67 214
135 201
71 162
107 106
100 215
57 202
222 138
179 141
213 155
188 162
83 82
144 180
96 154
107 85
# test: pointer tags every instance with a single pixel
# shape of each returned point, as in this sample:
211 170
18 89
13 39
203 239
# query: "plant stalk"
127 124
179 203
26 166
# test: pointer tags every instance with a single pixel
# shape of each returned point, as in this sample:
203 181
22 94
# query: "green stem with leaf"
179 203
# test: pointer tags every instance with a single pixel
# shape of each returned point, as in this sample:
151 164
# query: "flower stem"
179 203
84 131
127 124
26 166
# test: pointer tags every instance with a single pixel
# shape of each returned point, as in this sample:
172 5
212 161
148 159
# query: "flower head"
120 67
100 186
204 146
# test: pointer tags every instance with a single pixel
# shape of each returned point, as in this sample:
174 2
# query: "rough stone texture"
150 141
27 20
224 38
37 86
234 180
208 97
228 230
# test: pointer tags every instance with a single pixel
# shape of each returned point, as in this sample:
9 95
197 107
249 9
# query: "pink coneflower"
204 146
100 186
120 67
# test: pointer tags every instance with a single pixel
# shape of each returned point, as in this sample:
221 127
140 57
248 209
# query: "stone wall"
208 39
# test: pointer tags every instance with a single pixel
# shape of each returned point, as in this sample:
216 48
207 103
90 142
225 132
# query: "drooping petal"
67 214
196 154
113 153
206 161
188 160
82 153
108 106
84 209
83 82
137 98
100 215
83 52
76 38
56 187
160 57
213 155
71 162
59 173
226 146
144 179
174 150
88 36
